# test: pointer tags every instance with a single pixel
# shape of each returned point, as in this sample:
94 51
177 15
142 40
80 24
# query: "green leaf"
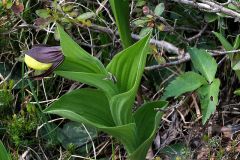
237 92
3 152
127 67
121 12
224 42
43 13
97 80
66 8
210 17
83 67
126 134
204 63
78 65
75 133
86 15
141 22
140 3
56 34
186 82
234 7
159 9
73 52
209 99
236 42
147 120
144 31
235 58
175 151
91 106
9 4
236 66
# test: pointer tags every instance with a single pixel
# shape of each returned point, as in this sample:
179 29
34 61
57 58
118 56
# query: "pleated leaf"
186 82
77 64
204 63
96 80
3 152
80 66
147 120
85 105
121 12
91 106
127 67
126 134
72 51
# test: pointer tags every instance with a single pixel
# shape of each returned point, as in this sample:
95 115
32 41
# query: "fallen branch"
165 46
187 58
161 44
182 60
210 6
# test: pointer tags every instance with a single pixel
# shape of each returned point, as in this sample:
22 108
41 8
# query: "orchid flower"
44 58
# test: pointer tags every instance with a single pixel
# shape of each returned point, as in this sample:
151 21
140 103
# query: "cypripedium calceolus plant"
111 111
108 103
43 58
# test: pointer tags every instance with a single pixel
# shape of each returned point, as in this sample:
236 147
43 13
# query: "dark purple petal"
43 48
45 54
